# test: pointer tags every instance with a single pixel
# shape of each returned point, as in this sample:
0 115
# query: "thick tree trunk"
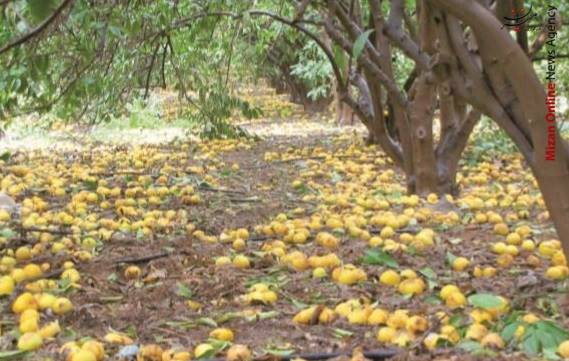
344 113
421 120
463 51
522 98
405 130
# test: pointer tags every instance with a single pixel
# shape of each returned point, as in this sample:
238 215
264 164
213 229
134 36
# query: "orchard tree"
466 63
84 59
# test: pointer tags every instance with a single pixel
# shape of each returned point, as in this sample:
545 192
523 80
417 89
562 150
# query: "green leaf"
456 320
184 291
551 354
228 316
279 352
298 304
470 346
545 339
379 257
40 9
208 354
360 43
431 277
508 332
450 258
341 333
485 300
555 332
219 345
340 59
91 185
7 233
267 315
432 300
113 277
63 285
530 345
5 156
428 272
8 355
207 321
262 316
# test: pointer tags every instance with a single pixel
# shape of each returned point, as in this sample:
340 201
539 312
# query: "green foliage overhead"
93 57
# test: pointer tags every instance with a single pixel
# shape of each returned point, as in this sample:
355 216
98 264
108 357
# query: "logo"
518 18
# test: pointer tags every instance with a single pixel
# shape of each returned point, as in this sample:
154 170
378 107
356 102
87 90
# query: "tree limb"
148 75
541 38
38 29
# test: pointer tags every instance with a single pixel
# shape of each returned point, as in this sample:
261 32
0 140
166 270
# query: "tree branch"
541 38
38 29
149 74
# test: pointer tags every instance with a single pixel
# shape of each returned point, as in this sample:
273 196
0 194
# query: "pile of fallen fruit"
233 248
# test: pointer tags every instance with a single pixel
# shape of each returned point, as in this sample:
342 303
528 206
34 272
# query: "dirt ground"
240 188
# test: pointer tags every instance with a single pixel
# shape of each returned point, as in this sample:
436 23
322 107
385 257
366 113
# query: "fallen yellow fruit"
30 341
359 316
447 290
416 324
46 300
238 353
304 317
203 349
450 333
563 349
455 300
118 339
476 331
222 261
132 272
223 334
94 347
50 330
150 352
29 325
460 264
241 261
350 275
386 334
62 306
24 301
83 355
530 318
414 286
492 340
172 355
7 285
557 272
390 278
378 317
319 272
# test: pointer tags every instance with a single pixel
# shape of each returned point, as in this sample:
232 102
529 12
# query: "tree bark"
421 120
523 100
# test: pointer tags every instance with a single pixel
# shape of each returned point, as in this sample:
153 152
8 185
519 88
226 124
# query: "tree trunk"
523 115
421 121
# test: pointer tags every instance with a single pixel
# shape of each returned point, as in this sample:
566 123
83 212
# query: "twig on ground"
244 200
62 232
142 259
382 354
220 190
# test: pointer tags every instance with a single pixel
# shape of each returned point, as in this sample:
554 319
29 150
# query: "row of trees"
398 65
